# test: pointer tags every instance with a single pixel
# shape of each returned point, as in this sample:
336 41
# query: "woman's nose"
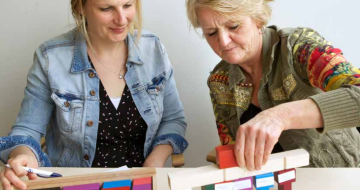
224 39
120 17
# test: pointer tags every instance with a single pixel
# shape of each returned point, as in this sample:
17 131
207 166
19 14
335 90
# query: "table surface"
306 178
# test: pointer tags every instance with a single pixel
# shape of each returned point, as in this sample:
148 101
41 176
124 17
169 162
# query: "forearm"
158 156
21 150
302 114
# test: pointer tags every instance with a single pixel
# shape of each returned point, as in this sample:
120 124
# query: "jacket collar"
269 44
81 62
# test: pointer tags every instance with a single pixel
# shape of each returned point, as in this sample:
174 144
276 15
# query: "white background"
26 24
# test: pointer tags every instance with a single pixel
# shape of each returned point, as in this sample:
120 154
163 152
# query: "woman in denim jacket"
103 95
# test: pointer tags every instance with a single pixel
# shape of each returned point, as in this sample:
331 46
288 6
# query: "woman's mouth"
118 30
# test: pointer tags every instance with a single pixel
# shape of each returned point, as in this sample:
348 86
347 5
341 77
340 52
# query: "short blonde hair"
259 10
77 7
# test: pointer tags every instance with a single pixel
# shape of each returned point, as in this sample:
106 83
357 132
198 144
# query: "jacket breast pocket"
68 111
155 89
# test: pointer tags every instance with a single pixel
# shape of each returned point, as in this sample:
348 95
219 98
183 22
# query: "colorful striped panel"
113 184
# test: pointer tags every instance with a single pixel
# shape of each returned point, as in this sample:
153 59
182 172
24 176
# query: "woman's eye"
211 34
105 9
234 27
127 5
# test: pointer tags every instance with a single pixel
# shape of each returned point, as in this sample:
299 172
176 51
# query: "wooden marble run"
226 174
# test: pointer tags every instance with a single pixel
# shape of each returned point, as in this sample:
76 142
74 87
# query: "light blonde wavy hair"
77 7
259 10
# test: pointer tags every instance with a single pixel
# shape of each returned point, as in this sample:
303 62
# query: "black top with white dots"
121 133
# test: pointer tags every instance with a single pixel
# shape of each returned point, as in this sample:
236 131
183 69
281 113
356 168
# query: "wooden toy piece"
296 158
142 187
264 181
142 184
228 185
243 183
225 156
119 188
142 181
276 162
89 178
208 187
195 177
93 186
117 185
285 178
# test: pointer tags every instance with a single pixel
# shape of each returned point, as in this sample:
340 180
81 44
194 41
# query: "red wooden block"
225 156
142 181
285 178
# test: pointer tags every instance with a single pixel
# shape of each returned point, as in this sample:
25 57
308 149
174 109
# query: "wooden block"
195 177
208 187
285 178
142 187
142 181
118 188
113 184
264 181
93 186
244 183
224 186
276 162
89 178
225 156
296 158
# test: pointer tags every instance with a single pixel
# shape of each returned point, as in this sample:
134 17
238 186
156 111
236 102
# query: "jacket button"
226 113
67 104
157 88
90 123
91 74
92 92
86 157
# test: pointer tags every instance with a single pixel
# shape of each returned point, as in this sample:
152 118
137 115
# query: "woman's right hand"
12 175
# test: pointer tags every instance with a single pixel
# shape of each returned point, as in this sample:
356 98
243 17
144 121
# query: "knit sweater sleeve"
325 67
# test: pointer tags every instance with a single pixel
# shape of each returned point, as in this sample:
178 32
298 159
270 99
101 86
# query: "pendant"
120 76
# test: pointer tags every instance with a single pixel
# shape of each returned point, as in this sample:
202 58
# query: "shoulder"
304 35
149 42
220 73
63 40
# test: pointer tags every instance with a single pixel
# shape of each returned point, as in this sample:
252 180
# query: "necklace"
120 75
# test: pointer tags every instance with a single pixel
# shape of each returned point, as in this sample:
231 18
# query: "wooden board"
90 178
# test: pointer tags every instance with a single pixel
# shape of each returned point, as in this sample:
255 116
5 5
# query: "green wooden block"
208 187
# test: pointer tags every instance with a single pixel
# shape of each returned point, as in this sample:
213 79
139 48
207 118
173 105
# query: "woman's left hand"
256 139
158 156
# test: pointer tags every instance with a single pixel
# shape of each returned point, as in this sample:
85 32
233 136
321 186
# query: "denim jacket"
62 101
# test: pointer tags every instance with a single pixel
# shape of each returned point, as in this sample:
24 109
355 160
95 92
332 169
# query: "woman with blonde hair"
278 89
102 94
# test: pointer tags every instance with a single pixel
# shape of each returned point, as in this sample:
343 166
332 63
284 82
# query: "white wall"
25 24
